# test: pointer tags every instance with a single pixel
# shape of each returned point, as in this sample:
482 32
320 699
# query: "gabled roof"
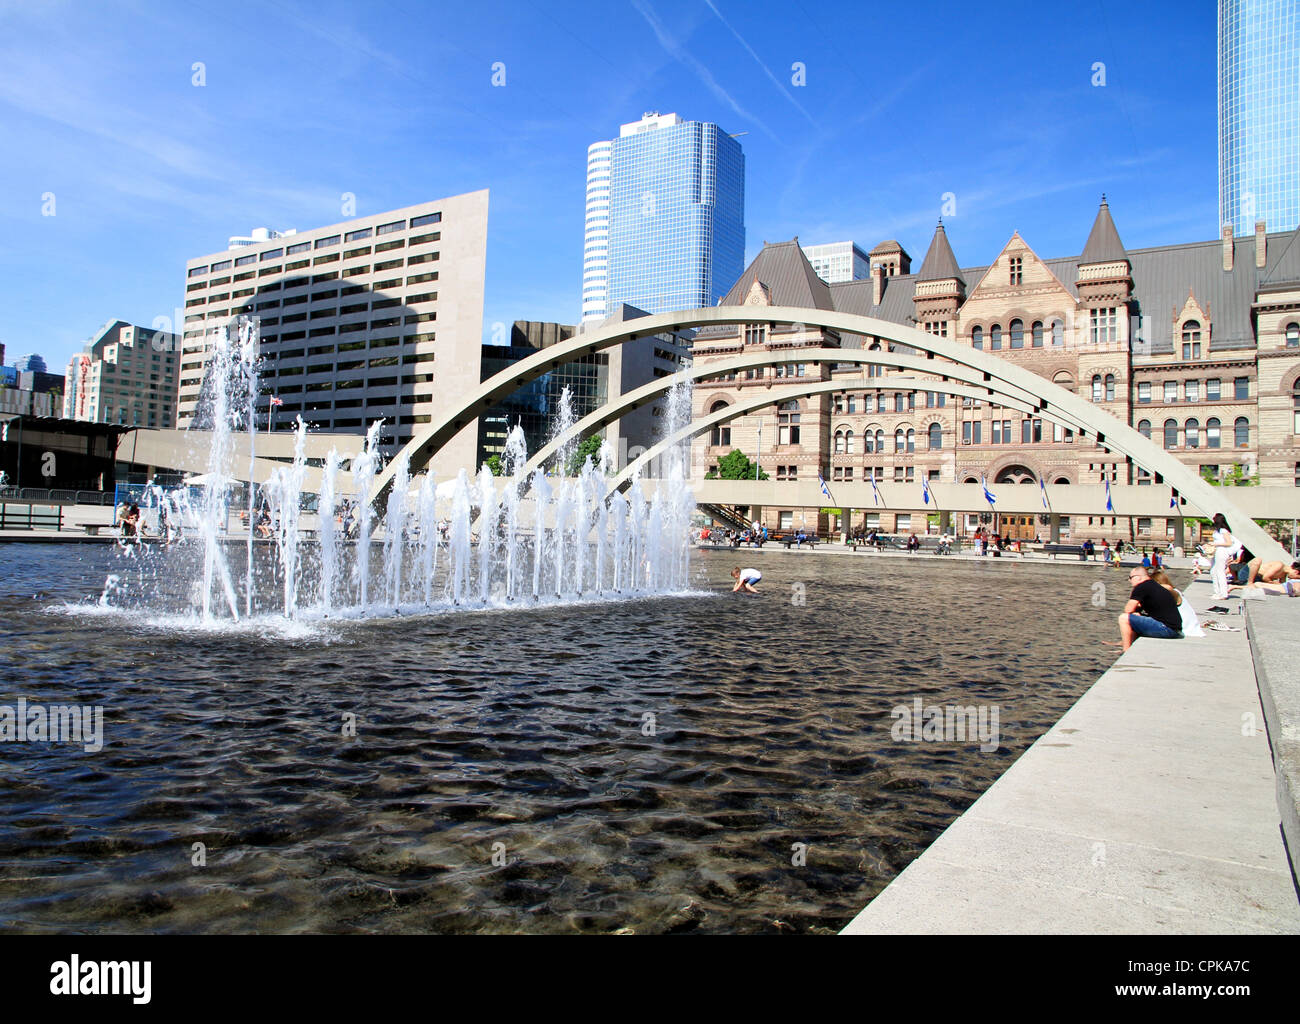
1103 245
785 271
939 264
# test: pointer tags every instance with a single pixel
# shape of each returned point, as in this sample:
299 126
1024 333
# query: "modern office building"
126 375
1259 114
33 362
665 217
368 319
591 379
834 262
1196 345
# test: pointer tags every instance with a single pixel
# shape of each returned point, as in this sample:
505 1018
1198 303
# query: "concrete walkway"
1150 808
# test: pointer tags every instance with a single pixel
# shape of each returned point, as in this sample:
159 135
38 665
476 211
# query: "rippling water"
647 765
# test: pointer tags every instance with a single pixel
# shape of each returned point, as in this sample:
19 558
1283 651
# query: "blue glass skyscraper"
1259 114
665 225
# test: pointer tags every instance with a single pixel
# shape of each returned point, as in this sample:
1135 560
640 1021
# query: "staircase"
728 515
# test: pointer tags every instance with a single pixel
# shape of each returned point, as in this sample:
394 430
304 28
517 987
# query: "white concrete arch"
999 376
622 404
746 405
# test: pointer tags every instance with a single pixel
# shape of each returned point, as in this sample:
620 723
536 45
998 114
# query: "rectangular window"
389 228
197 271
300 247
428 218
244 261
997 431
353 253
1171 391
271 254
396 243
1241 389
1104 325
1212 389
1144 391
356 236
1017 270
332 257
324 243
1193 390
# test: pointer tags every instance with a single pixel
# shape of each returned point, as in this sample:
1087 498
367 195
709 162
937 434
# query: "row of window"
1191 432
320 243
1191 390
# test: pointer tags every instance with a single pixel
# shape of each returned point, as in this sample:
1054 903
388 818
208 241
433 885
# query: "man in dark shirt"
1151 611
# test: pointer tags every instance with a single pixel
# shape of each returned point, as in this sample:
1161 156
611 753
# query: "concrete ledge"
1149 808
1274 628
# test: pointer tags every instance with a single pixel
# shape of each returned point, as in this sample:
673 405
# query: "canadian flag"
276 400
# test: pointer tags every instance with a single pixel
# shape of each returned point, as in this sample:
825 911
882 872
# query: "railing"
30 516
62 497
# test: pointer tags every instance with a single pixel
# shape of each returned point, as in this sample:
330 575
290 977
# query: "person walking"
1223 543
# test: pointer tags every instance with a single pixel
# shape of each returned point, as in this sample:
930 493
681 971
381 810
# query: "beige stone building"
126 375
379 317
1196 345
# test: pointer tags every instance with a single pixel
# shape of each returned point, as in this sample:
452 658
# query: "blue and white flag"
1042 485
1109 506
1173 498
875 493
925 491
825 490
988 495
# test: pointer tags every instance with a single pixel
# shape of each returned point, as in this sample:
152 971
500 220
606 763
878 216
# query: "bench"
1064 549
794 542
92 529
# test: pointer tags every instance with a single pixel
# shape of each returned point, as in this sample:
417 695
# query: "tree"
1237 476
493 463
589 446
735 465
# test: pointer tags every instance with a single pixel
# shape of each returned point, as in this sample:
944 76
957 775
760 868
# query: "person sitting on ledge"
1151 611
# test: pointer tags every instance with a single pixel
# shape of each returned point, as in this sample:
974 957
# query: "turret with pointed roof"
940 288
1105 273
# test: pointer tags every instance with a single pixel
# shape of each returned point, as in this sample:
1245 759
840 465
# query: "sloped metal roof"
1103 241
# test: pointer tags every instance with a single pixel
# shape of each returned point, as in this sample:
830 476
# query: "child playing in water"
745 579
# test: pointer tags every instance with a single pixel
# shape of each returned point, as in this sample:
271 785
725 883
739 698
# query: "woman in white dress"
1223 544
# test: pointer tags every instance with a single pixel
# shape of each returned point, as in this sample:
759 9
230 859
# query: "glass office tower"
1259 114
673 213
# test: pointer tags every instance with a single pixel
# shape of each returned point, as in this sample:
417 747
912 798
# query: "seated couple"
1155 609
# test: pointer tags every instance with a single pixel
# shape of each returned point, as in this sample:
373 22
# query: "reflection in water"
645 765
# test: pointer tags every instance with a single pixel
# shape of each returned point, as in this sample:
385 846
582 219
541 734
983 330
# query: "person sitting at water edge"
745 579
1151 611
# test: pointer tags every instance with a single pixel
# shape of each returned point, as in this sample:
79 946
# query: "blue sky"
393 100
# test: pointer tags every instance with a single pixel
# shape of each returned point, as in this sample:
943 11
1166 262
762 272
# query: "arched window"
1096 387
722 431
1110 387
911 439
1192 431
1192 339
900 440
869 442
880 441
1293 335
1212 432
839 442
1241 432
1171 433
995 337
1295 405
1037 333
935 436
1063 378
977 337
1144 428
1017 334
1058 333
848 442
